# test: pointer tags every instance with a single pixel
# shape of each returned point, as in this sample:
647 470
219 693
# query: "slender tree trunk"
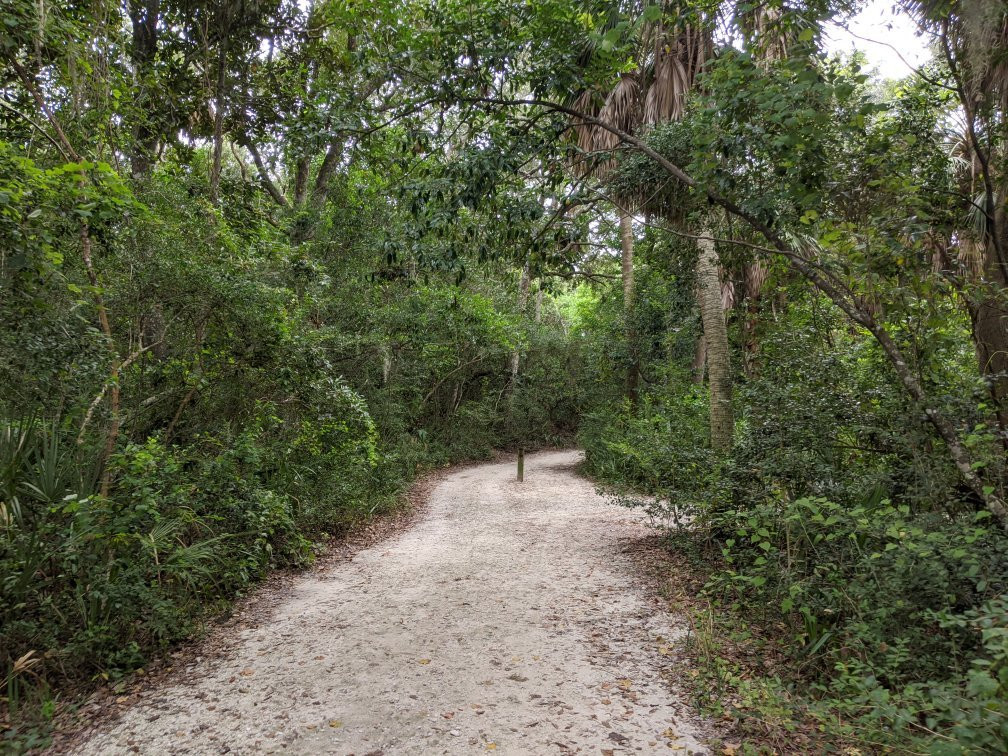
722 422
523 293
990 336
627 251
218 132
755 277
386 354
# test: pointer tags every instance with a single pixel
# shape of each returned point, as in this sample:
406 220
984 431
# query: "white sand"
505 620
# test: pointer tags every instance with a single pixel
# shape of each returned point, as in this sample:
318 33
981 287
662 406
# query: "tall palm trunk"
627 249
716 339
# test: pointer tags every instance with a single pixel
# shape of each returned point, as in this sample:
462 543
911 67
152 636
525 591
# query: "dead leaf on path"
730 749
517 678
423 661
670 733
608 752
335 723
448 714
247 672
491 746
625 683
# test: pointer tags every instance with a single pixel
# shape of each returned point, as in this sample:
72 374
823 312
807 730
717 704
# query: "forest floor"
507 617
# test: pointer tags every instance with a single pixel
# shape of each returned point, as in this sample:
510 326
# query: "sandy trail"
506 620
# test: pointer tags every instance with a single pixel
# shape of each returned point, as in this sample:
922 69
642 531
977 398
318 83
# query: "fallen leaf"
625 683
335 723
424 661
247 672
448 714
491 746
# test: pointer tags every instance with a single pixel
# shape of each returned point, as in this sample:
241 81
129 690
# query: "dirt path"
506 620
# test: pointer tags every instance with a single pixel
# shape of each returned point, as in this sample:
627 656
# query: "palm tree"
670 52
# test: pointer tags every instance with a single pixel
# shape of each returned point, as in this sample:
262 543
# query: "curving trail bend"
506 620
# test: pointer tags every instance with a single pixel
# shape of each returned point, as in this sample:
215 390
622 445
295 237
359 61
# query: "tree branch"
264 177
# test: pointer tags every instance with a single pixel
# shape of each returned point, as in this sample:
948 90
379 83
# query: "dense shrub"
271 391
837 528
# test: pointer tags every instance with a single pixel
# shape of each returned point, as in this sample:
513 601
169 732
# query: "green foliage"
253 278
640 450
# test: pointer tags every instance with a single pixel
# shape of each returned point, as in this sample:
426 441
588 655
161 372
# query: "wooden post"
521 464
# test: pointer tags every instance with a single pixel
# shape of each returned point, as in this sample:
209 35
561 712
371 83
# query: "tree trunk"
716 338
755 277
218 132
627 250
699 360
990 336
301 175
144 15
386 354
523 293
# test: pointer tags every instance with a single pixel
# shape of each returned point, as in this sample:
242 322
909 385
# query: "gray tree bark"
627 252
722 420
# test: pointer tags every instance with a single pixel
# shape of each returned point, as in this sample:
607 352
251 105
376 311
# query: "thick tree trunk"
627 251
144 15
386 354
722 423
320 193
699 368
755 277
990 336
301 175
